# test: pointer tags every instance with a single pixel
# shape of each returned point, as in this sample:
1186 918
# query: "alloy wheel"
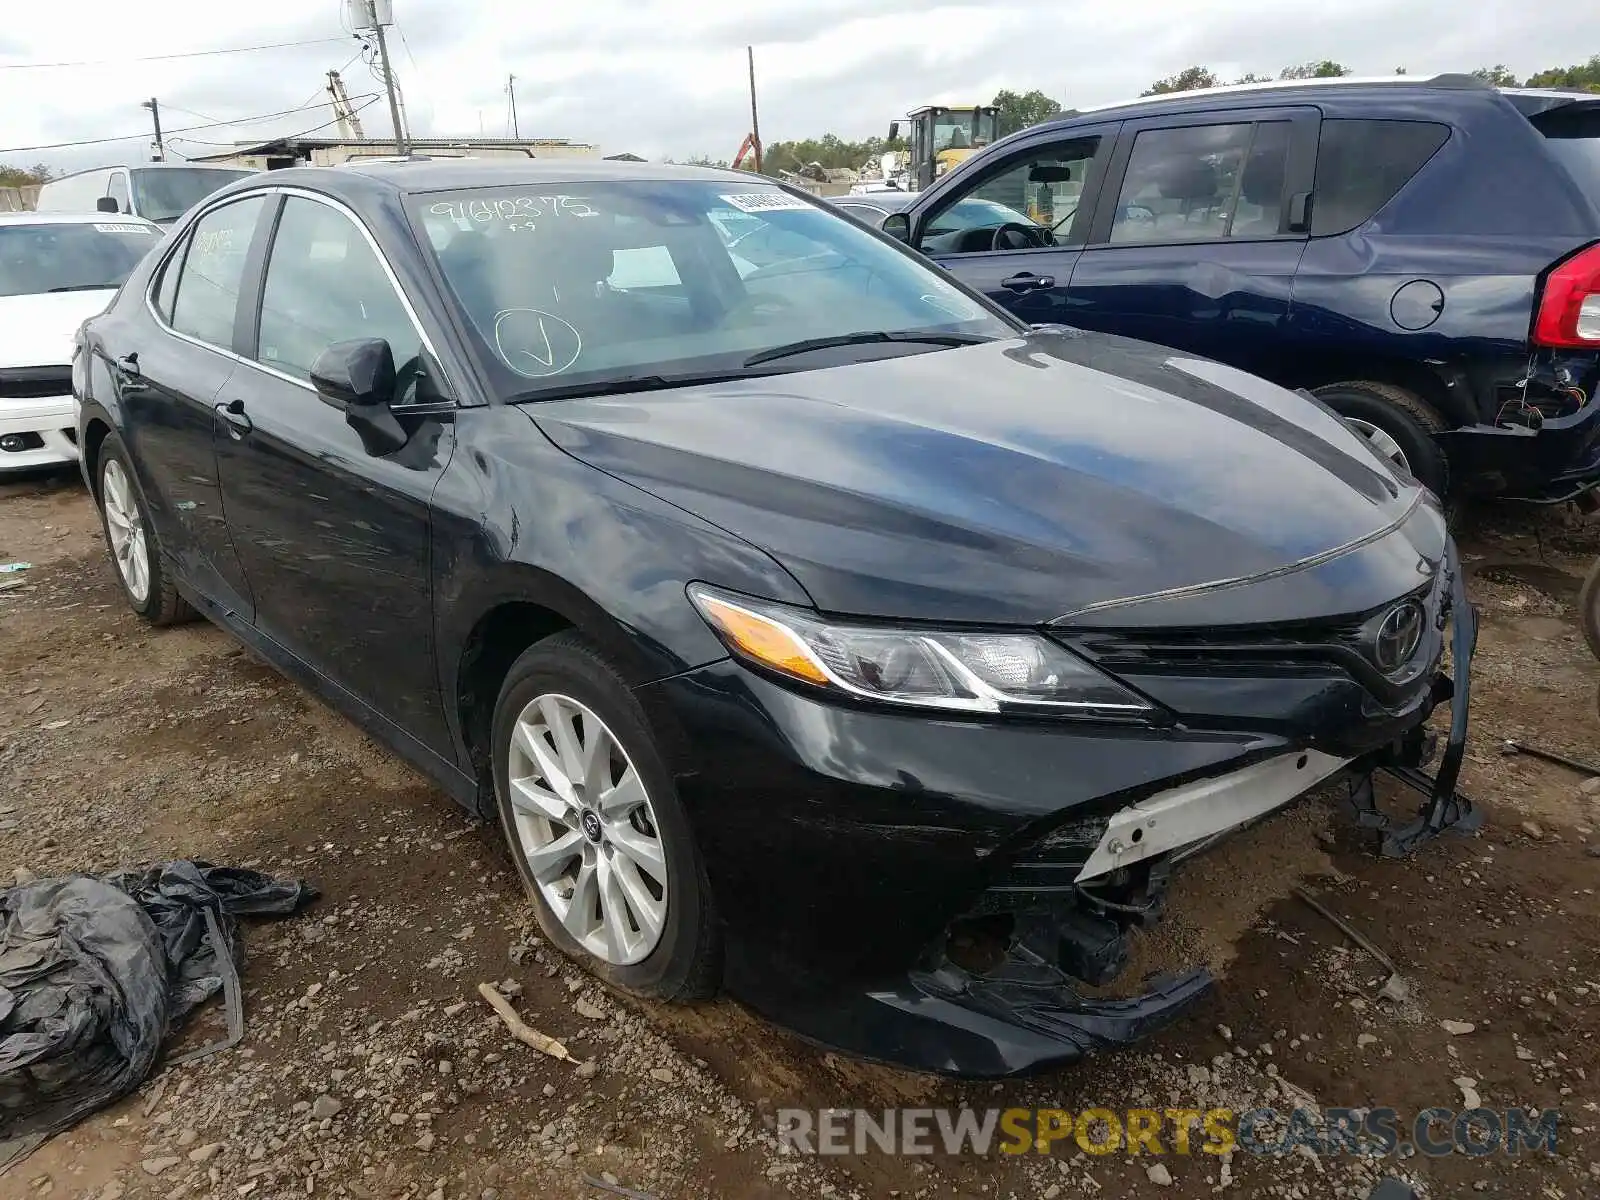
125 526
586 829
1380 441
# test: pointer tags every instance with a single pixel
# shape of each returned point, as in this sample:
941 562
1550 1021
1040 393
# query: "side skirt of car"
460 786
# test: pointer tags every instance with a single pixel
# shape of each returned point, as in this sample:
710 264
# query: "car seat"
1261 186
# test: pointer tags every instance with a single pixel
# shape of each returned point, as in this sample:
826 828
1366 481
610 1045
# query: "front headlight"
967 672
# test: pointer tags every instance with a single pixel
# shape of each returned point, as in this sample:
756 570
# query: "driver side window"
1029 204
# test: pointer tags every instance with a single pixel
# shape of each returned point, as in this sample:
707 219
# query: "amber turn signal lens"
762 639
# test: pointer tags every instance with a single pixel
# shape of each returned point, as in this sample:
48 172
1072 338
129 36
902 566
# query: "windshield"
955 129
70 256
619 280
166 194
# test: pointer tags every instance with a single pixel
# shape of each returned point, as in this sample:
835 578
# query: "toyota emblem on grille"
1398 636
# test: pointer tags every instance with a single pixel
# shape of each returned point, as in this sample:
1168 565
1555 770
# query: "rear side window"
1362 164
208 286
1203 183
1573 137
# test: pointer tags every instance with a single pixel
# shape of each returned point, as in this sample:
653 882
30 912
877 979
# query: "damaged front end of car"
973 895
1056 927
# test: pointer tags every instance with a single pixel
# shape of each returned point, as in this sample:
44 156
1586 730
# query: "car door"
169 368
334 539
1198 233
1013 228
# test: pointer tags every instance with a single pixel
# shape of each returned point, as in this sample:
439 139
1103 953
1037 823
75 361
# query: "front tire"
1398 424
135 552
597 833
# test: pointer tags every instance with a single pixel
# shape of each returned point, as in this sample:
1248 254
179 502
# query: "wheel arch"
95 432
526 606
1454 404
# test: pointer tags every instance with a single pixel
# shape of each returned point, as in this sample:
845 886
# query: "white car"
56 271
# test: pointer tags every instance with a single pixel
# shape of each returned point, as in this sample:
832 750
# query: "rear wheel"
134 550
1398 424
1589 609
595 827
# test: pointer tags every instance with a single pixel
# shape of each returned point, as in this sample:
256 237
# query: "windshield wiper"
863 339
621 385
83 287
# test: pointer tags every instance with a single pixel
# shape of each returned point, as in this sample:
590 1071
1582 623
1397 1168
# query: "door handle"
237 420
1027 281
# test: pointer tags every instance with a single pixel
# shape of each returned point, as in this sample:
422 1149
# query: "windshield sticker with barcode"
123 227
754 202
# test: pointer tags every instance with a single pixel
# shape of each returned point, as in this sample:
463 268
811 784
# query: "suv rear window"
1574 141
1362 164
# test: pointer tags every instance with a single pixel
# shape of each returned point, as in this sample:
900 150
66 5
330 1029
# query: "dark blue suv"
1423 255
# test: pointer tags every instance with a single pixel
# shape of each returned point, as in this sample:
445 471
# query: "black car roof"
449 174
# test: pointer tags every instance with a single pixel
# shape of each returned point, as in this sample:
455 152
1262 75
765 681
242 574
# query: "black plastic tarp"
96 972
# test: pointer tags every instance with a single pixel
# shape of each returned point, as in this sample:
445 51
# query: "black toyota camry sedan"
810 627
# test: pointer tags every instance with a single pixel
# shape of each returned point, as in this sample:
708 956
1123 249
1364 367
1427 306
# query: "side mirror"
358 376
106 204
898 226
894 130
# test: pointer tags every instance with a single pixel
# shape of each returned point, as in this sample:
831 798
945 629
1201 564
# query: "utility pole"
755 123
511 87
374 15
343 112
155 115
402 144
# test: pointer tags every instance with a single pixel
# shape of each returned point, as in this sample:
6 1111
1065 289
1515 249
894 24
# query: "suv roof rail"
1458 79
1452 79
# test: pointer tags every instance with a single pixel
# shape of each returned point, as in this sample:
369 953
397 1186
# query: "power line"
191 112
368 103
144 135
345 66
105 62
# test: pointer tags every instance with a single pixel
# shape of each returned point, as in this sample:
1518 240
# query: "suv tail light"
1569 307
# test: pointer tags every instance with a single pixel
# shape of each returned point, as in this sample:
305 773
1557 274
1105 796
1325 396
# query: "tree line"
1020 110
1579 77
23 176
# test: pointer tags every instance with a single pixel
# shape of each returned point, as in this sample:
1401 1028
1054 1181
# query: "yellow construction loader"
940 136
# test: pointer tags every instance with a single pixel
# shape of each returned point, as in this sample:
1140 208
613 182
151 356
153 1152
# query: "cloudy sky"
667 77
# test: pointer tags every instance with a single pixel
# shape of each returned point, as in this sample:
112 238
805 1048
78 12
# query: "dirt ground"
371 1069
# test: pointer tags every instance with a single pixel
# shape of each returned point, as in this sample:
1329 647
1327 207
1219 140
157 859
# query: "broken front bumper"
937 893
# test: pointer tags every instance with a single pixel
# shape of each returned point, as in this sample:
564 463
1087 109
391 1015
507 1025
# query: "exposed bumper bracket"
1445 808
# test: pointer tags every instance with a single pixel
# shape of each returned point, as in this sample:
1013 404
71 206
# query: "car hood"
37 330
1011 481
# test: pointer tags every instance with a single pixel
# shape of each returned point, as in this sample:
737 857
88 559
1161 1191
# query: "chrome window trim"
304 193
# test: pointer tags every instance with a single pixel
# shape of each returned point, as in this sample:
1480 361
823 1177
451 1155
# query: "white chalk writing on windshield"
536 344
514 212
